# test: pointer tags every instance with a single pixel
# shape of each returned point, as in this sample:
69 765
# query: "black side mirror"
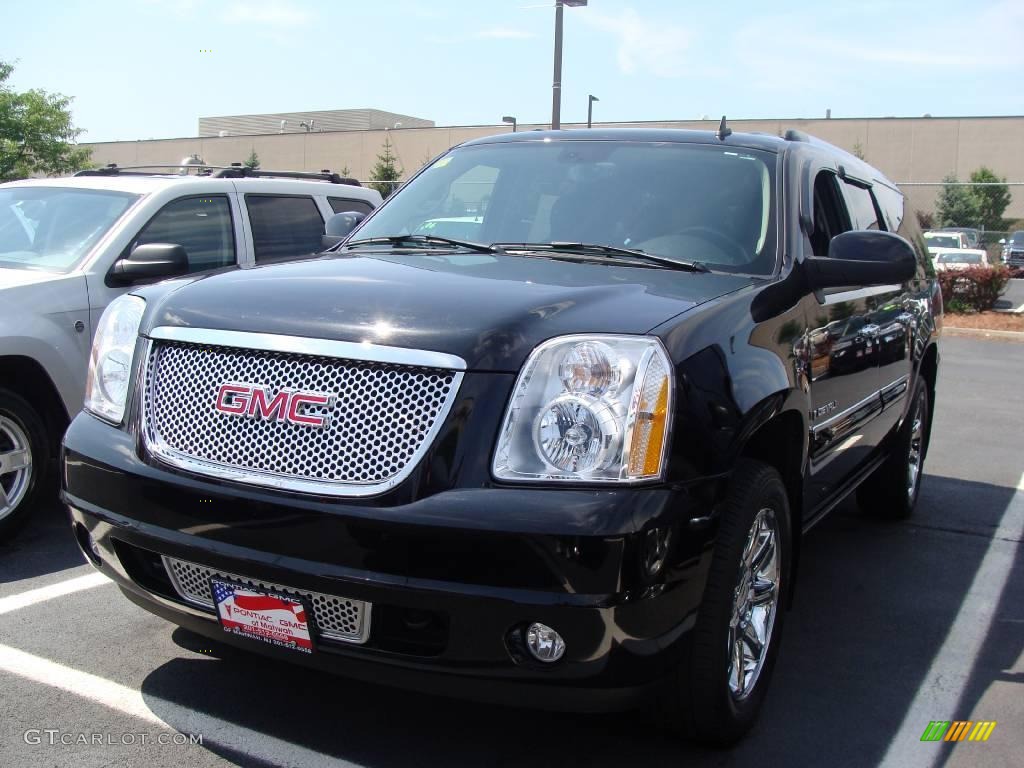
863 257
340 226
151 261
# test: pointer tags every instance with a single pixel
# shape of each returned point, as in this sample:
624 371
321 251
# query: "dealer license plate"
270 617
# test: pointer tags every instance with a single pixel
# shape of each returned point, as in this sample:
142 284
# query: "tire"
891 491
24 461
704 699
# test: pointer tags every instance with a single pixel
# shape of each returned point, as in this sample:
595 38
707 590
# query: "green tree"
385 172
956 206
993 201
36 133
858 150
253 162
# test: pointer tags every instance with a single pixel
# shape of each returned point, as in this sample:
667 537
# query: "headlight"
110 364
590 409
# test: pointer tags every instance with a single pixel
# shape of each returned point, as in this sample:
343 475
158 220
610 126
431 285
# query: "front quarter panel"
732 374
39 321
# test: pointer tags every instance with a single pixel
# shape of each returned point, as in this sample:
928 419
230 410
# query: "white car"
70 246
958 258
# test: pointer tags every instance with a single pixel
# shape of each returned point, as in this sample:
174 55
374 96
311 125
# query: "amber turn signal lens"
649 433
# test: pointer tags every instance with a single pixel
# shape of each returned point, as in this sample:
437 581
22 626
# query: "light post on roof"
511 121
556 85
590 110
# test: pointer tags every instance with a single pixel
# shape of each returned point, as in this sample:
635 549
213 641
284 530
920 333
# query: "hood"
489 310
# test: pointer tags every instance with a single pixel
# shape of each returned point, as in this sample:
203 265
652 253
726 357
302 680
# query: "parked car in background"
936 239
1013 249
568 464
958 258
69 246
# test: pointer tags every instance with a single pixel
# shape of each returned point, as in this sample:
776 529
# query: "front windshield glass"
960 258
943 241
690 202
53 228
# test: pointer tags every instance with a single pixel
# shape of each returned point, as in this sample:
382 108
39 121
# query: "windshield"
1017 238
687 202
944 241
53 228
960 258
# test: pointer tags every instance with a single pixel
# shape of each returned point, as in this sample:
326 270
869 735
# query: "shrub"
976 288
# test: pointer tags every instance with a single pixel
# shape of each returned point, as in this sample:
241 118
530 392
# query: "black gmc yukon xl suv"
546 427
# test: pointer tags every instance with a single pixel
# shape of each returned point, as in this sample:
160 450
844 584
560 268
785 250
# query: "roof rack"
239 171
233 171
113 169
793 134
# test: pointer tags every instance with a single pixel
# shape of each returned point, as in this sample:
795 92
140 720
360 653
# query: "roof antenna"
723 130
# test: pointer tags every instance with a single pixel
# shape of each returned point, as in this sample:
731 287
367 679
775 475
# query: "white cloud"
644 45
269 12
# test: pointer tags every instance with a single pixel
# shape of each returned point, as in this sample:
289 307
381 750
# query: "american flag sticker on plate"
276 619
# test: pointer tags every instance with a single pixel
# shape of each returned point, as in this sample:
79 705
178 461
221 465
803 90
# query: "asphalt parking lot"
895 625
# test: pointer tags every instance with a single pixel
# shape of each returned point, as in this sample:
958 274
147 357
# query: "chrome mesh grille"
378 423
337 618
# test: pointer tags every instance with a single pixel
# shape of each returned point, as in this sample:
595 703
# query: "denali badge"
252 400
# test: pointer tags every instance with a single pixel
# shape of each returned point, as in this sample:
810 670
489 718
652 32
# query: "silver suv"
69 246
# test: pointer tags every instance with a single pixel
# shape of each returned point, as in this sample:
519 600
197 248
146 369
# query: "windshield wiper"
606 250
424 240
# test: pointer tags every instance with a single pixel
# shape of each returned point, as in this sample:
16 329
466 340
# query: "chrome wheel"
15 465
755 603
916 445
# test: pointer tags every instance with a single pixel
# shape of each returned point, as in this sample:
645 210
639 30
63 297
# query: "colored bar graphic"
958 730
983 730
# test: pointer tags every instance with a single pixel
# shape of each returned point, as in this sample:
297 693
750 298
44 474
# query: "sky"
142 69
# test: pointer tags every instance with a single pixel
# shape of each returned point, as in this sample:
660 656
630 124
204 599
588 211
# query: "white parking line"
61 588
173 716
939 693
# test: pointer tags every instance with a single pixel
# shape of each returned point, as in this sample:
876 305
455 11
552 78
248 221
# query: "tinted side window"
894 211
202 225
284 227
343 205
830 215
861 207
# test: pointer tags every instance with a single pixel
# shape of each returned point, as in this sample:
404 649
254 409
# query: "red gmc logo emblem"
253 400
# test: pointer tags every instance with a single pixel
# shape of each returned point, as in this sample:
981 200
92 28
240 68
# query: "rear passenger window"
201 225
284 227
344 205
863 214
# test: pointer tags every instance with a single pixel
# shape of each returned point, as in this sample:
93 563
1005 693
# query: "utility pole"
556 84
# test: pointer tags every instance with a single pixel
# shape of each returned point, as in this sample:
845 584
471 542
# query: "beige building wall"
905 149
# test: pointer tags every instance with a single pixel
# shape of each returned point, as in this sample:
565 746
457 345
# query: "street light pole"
590 110
510 120
556 84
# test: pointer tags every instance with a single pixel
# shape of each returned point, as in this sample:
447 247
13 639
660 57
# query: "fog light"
544 643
